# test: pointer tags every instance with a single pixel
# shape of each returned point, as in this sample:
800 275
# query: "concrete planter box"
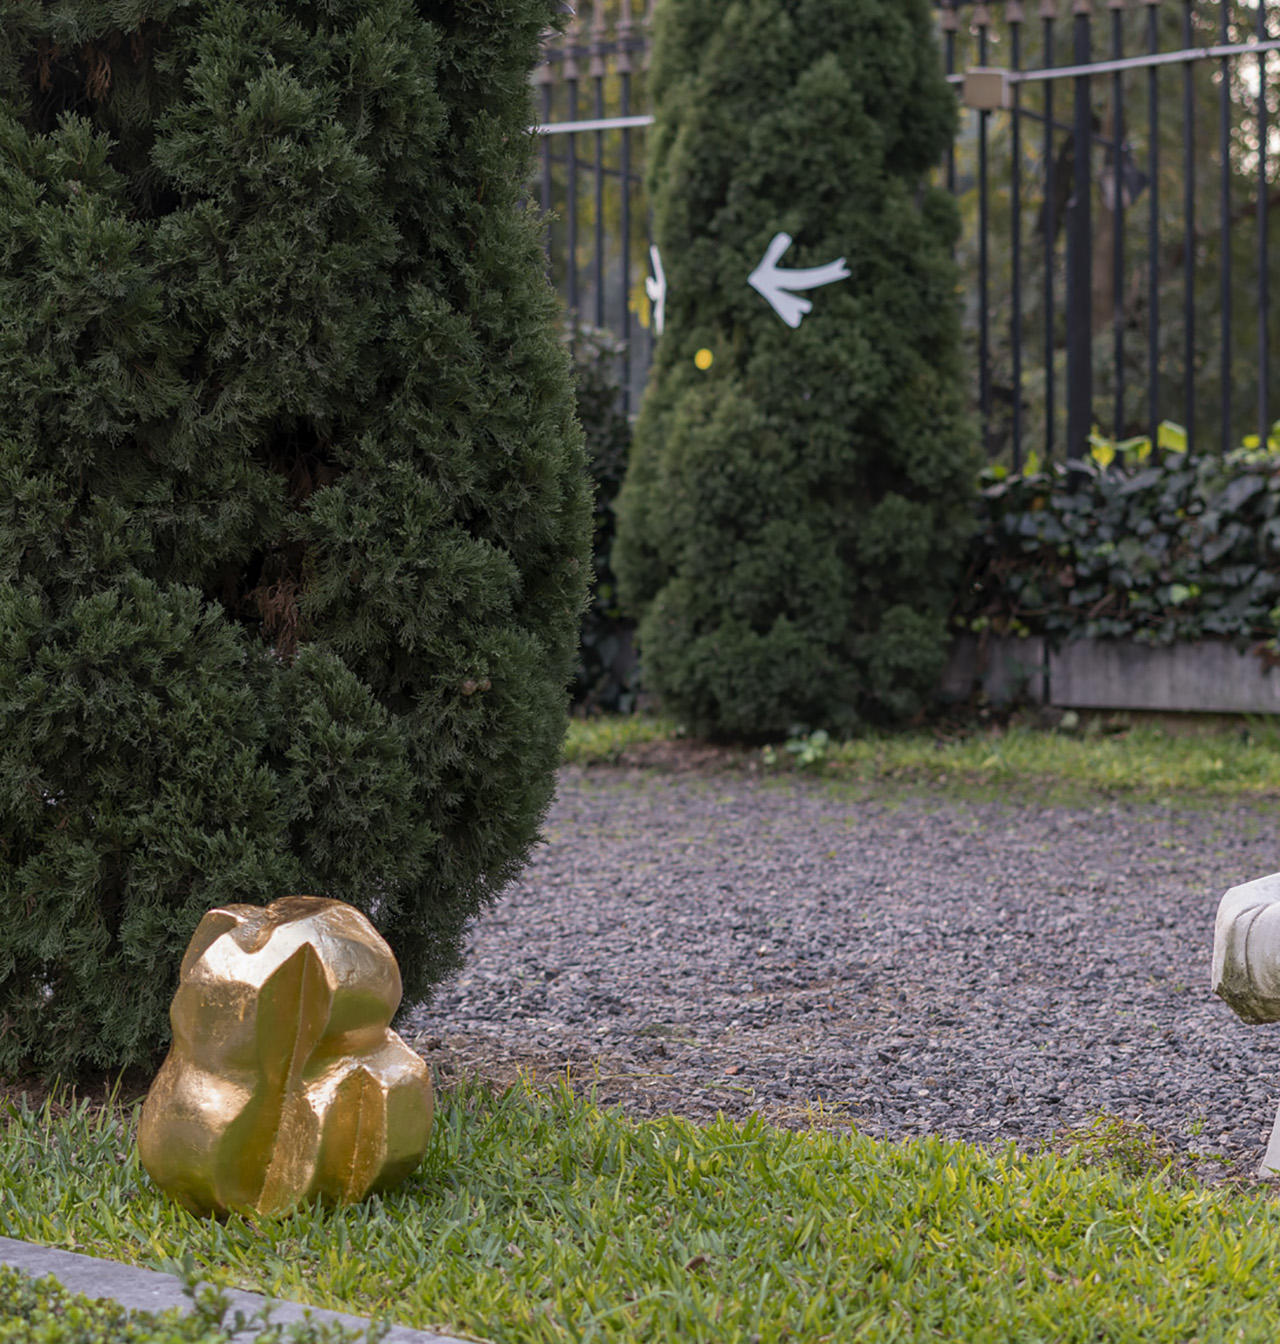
1005 669
1209 678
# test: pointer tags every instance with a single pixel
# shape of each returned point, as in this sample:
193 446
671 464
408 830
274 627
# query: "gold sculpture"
284 1082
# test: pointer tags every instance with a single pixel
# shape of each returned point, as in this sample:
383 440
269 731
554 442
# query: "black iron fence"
592 99
1116 171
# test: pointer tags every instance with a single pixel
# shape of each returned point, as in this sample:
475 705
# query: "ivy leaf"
1171 437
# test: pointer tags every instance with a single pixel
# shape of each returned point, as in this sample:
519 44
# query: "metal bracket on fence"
987 88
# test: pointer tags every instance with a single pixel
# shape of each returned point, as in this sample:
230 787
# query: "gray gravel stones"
987 971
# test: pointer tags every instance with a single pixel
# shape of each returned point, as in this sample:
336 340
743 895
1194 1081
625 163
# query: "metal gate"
1119 245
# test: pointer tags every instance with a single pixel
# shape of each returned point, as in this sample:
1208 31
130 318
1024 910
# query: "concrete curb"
1209 677
147 1290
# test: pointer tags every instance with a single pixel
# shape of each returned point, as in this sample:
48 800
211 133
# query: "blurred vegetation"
1096 756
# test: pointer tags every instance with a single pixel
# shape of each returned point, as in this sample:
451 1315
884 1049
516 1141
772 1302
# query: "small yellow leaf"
1171 437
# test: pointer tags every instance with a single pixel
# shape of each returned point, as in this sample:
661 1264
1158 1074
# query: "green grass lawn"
538 1216
1144 761
541 1217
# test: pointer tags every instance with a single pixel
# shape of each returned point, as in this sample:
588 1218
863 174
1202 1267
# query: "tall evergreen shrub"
293 518
792 515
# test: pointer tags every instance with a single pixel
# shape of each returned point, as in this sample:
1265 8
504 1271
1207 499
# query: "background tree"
791 514
293 520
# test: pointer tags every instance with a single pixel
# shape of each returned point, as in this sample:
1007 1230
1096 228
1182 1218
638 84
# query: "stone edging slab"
148 1290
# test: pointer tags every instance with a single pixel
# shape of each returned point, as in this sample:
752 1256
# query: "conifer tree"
293 516
792 512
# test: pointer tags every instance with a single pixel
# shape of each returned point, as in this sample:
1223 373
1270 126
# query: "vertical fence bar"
1189 232
571 77
982 21
1264 332
1080 248
1224 226
949 25
623 67
1048 12
1117 210
647 60
544 79
1153 227
596 73
1014 17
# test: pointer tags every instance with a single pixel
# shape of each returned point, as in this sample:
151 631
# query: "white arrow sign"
774 284
655 286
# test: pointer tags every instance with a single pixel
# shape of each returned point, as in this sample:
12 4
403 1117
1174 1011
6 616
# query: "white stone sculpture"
1246 967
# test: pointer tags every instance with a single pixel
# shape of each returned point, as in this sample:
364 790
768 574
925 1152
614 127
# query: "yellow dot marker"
703 359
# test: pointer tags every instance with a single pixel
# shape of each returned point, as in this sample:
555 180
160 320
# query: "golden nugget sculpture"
284 1083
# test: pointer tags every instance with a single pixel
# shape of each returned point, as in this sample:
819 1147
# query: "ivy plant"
1130 544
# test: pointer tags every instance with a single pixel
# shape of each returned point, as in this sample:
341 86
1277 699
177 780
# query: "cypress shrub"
793 514
294 523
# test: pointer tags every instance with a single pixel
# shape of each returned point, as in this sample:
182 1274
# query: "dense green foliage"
293 518
542 1219
604 677
1157 552
792 513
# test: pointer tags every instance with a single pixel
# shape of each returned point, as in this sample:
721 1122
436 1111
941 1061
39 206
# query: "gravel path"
988 971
